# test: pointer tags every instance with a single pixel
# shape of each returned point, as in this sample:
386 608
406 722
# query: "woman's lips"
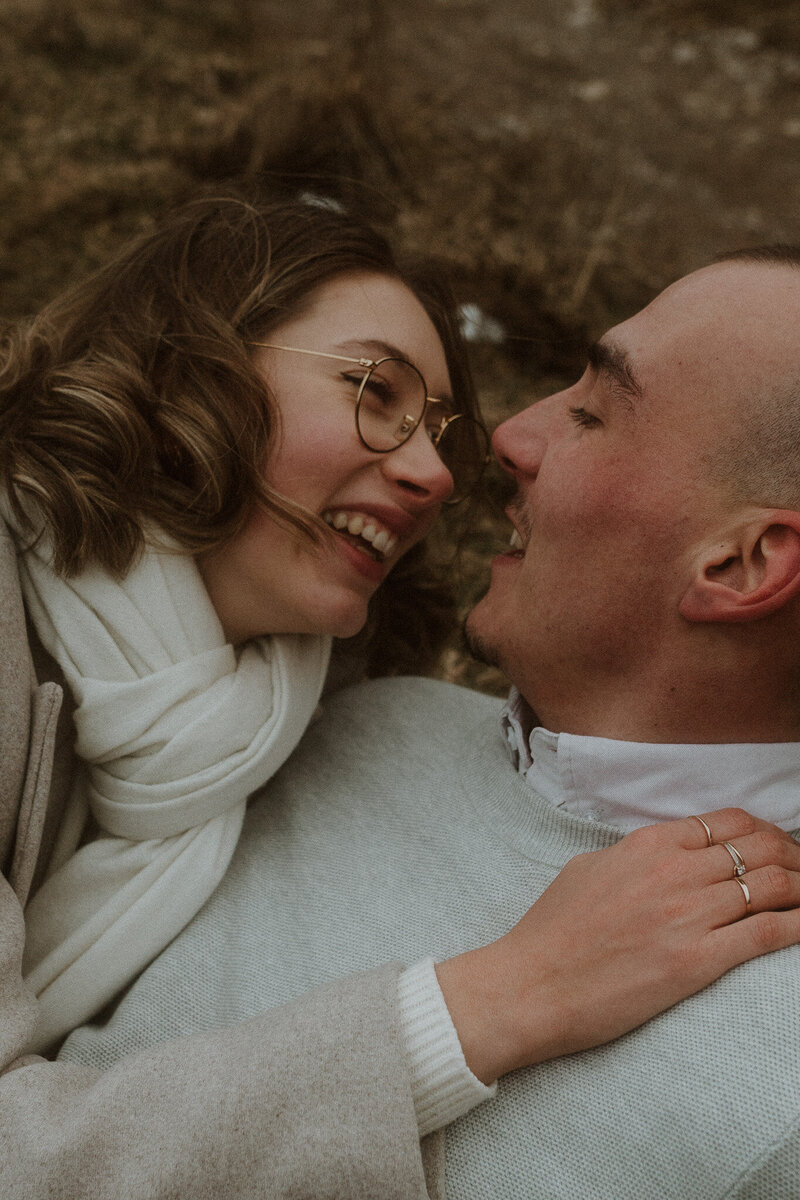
375 539
356 554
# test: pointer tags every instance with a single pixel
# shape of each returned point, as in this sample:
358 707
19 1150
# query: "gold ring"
746 894
738 862
708 831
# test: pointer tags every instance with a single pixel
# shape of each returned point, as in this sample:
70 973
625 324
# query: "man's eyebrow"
609 359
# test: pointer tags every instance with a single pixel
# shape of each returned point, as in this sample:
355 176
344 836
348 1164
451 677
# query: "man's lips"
520 531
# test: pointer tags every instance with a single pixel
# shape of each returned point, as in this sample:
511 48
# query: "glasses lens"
463 448
390 404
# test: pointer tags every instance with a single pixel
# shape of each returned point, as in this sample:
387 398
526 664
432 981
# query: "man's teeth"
380 539
515 541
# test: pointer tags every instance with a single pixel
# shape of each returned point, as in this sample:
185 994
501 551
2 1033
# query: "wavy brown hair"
133 400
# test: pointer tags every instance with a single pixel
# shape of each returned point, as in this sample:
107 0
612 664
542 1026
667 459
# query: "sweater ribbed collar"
629 784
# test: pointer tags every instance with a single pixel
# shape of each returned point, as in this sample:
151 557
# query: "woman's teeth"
378 539
515 541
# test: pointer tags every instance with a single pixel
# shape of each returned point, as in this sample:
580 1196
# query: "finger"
752 936
771 889
726 825
707 834
689 833
764 848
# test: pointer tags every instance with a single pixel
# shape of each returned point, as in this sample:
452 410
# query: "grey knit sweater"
400 828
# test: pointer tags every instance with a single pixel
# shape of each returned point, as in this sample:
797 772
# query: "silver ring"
746 894
708 831
738 862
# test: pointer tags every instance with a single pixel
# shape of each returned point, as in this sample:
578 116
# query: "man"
649 614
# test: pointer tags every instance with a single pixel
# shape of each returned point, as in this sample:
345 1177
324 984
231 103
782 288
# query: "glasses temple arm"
362 362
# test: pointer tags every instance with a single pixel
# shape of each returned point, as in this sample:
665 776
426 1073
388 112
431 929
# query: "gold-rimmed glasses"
392 401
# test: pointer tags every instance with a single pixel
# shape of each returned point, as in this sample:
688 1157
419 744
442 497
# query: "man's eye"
584 419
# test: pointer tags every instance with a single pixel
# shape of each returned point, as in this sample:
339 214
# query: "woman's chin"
339 616
347 625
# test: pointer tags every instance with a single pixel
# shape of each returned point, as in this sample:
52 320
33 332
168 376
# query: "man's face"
615 496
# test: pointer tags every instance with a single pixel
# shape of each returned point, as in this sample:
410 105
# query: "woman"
197 514
213 453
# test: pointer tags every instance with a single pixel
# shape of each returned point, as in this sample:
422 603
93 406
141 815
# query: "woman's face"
269 580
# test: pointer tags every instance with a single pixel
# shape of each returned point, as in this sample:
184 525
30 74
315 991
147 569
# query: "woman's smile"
359 528
270 579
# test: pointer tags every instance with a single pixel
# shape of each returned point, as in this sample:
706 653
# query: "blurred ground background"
566 158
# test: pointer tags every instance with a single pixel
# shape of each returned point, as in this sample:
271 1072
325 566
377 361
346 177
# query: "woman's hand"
621 935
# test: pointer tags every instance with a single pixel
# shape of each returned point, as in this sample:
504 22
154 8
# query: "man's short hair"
759 460
780 254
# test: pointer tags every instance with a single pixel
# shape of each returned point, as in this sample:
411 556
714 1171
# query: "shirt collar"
628 784
516 721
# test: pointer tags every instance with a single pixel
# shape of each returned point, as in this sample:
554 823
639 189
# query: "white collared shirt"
629 784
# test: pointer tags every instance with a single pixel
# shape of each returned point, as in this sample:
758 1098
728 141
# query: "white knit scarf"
174 729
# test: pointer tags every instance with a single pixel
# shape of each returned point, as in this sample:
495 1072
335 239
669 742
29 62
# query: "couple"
647 617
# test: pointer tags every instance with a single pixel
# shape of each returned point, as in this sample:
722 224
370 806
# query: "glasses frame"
408 425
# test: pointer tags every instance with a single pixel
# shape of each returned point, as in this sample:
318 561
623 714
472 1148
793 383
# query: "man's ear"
751 574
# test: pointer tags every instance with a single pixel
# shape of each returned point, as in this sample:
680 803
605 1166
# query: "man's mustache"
520 517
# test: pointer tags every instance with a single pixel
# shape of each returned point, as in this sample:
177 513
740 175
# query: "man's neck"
684 712
704 684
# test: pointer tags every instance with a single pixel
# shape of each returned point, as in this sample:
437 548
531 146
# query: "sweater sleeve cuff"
442 1085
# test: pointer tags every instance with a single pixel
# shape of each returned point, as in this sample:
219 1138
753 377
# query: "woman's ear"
750 575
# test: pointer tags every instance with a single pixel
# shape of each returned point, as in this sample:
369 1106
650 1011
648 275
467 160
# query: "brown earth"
566 158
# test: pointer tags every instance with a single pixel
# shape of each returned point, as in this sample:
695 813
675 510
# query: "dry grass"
566 158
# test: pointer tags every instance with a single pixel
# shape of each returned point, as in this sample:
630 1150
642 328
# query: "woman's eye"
379 388
435 425
356 380
584 419
377 392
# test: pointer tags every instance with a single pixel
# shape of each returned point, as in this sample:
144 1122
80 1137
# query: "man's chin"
480 646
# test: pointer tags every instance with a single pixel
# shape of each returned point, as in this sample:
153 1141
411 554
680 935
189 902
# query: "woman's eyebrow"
372 346
609 359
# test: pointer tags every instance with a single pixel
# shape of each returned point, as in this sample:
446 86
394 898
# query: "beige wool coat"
308 1100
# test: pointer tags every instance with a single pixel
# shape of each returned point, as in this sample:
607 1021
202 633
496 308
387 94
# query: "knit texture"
174 729
442 1086
400 828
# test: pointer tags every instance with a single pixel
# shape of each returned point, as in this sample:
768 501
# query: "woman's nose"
416 466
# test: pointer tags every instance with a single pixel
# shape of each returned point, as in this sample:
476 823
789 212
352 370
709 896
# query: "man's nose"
417 467
519 442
